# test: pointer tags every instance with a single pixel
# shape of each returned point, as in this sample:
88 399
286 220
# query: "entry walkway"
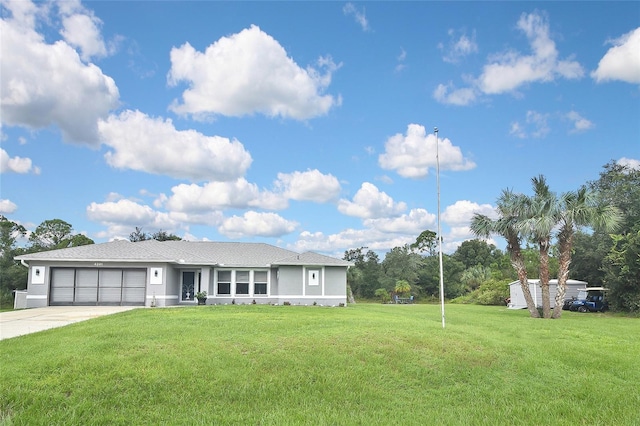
25 321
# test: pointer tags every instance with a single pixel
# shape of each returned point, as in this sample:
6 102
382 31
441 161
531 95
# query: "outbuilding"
154 273
517 300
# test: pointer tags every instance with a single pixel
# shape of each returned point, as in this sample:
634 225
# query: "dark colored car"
592 299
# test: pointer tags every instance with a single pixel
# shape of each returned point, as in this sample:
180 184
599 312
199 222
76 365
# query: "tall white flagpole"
435 130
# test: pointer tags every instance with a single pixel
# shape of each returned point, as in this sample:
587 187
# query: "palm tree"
509 207
539 216
579 208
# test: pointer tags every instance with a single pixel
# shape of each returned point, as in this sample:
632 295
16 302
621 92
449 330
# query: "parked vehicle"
591 299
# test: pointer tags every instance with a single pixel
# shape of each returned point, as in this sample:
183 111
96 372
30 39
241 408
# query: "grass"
362 365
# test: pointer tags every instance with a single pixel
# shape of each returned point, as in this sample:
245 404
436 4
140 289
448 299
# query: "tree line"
591 234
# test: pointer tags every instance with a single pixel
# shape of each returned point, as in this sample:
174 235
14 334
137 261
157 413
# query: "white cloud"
631 163
412 224
448 94
16 164
507 71
149 144
334 244
238 194
360 17
369 202
622 61
580 124
412 155
246 73
311 185
510 70
458 46
7 206
81 29
122 212
47 84
256 224
461 212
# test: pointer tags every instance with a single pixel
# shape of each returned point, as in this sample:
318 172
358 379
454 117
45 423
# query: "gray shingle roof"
186 252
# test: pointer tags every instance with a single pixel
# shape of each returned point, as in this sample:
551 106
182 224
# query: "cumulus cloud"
7 206
580 124
82 30
370 203
246 73
507 71
122 217
16 164
311 185
622 61
143 143
461 212
631 163
412 154
238 194
458 46
413 223
359 15
256 224
48 84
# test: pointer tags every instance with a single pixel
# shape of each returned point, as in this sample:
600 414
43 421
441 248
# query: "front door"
188 286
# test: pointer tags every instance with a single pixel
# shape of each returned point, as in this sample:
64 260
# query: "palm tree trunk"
565 241
544 278
518 264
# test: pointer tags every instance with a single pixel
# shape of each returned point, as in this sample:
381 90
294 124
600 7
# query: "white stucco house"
154 273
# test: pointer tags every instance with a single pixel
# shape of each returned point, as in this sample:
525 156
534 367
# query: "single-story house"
517 300
154 273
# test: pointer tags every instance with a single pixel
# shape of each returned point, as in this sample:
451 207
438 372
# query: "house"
517 300
154 273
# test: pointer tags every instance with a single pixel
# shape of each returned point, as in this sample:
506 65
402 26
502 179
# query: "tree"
12 275
509 208
165 236
476 253
402 287
537 220
138 235
56 234
400 263
622 266
426 241
474 276
579 208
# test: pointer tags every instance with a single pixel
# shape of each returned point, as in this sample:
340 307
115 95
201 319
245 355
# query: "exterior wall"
39 278
517 296
296 285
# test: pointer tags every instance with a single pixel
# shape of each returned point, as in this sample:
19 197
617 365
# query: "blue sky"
308 125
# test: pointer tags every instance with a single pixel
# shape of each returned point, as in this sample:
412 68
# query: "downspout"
25 264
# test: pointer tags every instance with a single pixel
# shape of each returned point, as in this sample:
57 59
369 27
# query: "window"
242 282
224 282
260 282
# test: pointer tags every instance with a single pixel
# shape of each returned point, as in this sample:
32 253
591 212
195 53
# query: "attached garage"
97 286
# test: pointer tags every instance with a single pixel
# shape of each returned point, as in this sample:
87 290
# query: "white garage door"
97 286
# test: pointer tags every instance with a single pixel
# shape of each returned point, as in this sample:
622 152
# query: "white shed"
517 300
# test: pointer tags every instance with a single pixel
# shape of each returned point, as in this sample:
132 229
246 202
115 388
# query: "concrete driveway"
25 321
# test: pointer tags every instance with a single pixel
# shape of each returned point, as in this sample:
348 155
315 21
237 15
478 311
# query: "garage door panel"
87 278
109 295
111 278
62 286
90 286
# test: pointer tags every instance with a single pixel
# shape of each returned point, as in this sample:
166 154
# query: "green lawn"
361 365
